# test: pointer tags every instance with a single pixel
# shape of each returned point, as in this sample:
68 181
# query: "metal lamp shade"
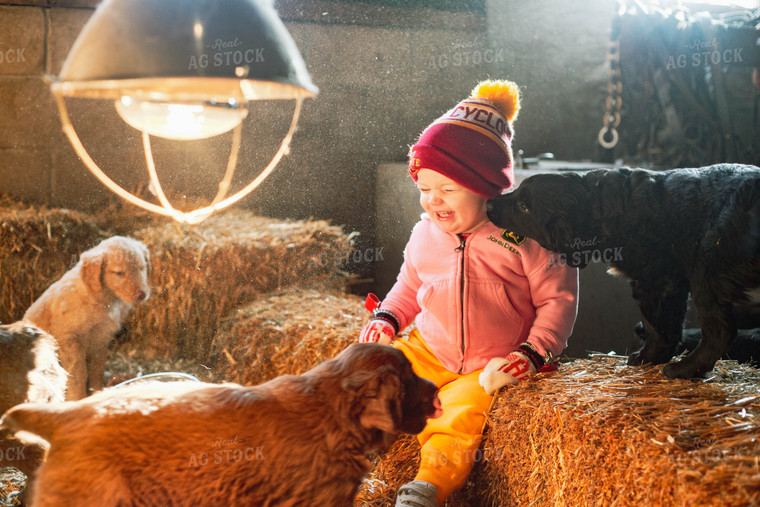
183 69
185 51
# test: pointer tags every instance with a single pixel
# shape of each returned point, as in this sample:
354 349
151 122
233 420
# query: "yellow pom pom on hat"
505 95
472 143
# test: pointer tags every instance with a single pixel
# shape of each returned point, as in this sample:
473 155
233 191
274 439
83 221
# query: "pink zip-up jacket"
482 297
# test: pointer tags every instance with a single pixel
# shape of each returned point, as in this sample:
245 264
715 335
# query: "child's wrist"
387 316
535 357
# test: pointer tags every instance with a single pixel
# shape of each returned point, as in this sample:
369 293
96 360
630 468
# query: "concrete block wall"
557 52
35 159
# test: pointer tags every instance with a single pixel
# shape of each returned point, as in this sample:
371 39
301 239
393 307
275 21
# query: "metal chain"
608 135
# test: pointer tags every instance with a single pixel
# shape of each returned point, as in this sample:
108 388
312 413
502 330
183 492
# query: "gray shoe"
417 494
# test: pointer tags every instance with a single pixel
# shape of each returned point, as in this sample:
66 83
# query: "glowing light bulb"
181 121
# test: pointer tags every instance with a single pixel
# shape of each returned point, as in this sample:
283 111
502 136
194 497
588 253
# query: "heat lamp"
183 70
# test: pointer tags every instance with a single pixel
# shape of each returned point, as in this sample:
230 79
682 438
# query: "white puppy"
88 305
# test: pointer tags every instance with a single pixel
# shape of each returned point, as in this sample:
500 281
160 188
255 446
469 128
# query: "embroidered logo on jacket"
513 238
503 244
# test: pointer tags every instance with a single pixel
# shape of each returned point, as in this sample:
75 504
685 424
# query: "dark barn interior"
276 283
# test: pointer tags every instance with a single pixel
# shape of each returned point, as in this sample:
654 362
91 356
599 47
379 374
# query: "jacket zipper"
460 249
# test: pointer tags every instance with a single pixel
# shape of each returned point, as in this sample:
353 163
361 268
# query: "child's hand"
383 327
378 330
503 371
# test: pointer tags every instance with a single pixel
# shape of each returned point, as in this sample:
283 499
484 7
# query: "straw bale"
288 332
203 271
122 218
602 433
38 245
397 466
198 272
599 432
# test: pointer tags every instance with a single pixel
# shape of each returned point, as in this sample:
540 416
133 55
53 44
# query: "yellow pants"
449 443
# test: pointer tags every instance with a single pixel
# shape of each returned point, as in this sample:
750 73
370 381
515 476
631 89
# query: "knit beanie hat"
472 143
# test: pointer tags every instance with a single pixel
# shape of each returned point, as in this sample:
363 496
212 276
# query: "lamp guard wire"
284 150
79 148
155 184
224 185
192 217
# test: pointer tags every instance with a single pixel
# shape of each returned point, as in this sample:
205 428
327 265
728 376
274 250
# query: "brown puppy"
293 441
88 305
29 372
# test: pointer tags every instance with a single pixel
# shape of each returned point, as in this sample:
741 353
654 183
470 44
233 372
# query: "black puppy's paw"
635 359
654 351
649 355
686 369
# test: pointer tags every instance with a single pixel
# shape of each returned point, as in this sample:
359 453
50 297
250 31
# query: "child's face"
451 206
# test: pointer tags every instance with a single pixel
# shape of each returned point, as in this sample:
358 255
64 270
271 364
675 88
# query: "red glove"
383 327
379 331
517 366
504 371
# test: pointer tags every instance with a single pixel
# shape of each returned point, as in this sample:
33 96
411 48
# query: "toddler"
490 307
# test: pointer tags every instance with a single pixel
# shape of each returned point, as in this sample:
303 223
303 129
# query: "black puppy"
671 232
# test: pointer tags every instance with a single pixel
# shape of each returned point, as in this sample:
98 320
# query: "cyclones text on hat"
481 115
471 143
